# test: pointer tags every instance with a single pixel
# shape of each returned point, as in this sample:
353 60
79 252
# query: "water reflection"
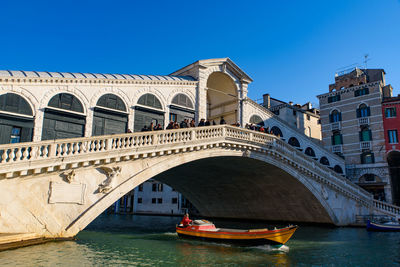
152 241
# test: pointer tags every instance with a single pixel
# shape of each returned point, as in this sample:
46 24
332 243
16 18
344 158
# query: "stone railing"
31 158
365 145
300 135
389 208
363 121
336 126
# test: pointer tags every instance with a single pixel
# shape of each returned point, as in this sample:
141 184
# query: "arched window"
150 100
324 161
67 102
363 111
294 142
145 117
60 122
111 101
338 169
182 100
14 103
109 116
335 116
16 127
276 131
255 119
309 152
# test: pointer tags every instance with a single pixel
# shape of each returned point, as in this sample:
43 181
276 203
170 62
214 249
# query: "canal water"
132 240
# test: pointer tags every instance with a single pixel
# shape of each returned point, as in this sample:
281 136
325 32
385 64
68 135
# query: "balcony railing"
336 126
363 121
337 149
365 145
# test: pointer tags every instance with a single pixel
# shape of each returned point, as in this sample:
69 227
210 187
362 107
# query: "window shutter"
340 116
341 139
370 135
358 113
360 136
333 140
368 111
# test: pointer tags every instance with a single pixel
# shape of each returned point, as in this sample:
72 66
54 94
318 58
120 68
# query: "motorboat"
206 230
383 227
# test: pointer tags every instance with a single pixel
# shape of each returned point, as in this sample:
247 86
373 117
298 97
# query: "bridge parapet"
46 156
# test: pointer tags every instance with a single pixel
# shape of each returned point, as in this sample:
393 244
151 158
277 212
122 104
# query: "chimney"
266 101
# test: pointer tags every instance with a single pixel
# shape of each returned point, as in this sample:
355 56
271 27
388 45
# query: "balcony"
336 126
365 145
337 149
363 121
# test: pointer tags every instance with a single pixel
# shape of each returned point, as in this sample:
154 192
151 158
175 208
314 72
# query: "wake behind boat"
205 230
383 227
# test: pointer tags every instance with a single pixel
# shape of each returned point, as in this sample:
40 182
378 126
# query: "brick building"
391 125
352 127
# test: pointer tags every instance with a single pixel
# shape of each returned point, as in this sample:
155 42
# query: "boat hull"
242 238
377 227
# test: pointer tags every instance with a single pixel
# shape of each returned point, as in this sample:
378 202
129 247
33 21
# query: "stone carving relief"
109 183
69 176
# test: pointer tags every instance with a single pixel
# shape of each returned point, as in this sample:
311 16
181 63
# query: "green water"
126 240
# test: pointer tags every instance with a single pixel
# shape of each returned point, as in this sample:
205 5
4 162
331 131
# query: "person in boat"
186 221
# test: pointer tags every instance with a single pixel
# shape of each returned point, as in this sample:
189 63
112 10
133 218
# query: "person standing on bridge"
222 121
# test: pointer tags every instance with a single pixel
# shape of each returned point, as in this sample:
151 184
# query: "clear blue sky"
291 49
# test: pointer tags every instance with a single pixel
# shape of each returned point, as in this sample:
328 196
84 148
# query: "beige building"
351 118
305 118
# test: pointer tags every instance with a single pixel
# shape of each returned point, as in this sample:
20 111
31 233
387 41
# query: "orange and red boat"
205 230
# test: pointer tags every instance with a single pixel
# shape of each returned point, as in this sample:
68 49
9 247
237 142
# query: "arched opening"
147 111
181 108
363 111
255 119
338 169
309 152
222 98
63 118
294 142
373 184
276 131
16 119
324 161
393 159
110 116
335 116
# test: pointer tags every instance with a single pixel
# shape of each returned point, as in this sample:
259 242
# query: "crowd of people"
183 124
189 124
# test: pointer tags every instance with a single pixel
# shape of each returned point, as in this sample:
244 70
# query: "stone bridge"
56 188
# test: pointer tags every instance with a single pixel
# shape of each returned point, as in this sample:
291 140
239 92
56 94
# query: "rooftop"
80 75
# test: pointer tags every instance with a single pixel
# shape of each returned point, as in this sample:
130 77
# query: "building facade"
352 127
391 125
304 118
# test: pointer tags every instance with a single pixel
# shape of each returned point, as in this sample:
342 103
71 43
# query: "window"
154 187
174 200
15 135
334 98
139 200
160 187
319 121
393 137
308 117
140 188
367 158
365 135
362 91
173 117
337 139
294 112
363 111
153 201
159 200
390 112
335 116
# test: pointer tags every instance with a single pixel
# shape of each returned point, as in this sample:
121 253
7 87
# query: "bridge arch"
294 142
310 152
148 109
324 161
205 192
275 130
257 120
